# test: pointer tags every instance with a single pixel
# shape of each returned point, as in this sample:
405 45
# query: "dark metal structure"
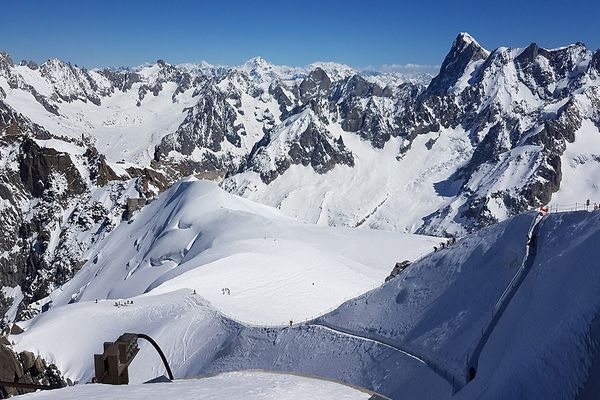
111 367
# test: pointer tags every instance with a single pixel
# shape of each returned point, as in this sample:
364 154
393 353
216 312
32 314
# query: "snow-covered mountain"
197 238
486 139
493 134
81 149
495 314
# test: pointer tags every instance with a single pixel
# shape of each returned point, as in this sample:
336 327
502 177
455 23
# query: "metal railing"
577 206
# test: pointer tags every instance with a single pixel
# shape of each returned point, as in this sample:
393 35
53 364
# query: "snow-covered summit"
467 39
335 71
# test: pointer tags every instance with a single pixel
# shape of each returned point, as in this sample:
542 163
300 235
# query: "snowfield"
230 386
414 337
395 198
176 256
581 170
198 237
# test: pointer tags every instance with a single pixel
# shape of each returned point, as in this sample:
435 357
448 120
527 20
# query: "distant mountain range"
493 134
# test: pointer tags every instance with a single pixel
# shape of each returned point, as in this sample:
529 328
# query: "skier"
434 249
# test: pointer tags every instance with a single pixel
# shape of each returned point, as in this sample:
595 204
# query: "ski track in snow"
507 296
444 373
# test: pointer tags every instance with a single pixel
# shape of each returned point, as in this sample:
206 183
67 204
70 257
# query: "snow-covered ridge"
196 236
435 309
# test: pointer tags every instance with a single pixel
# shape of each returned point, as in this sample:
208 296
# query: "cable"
160 352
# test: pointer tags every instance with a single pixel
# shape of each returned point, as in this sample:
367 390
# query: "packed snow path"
504 300
445 373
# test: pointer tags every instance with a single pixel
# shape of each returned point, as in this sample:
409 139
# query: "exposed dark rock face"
29 63
48 217
282 98
26 367
37 165
313 146
397 270
317 83
594 65
207 125
367 120
100 172
120 80
463 52
205 138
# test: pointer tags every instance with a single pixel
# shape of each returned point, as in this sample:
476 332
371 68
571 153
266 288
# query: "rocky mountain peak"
302 140
464 39
317 81
256 62
5 59
53 64
531 52
464 51
595 62
258 68
335 71
29 63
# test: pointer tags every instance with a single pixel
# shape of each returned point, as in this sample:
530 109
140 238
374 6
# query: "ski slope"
230 386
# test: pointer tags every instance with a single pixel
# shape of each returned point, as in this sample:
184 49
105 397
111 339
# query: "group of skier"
226 291
446 243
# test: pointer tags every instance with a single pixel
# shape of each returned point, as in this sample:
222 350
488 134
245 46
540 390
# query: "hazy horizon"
382 35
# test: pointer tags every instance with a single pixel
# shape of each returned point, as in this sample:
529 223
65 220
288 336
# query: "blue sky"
358 33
